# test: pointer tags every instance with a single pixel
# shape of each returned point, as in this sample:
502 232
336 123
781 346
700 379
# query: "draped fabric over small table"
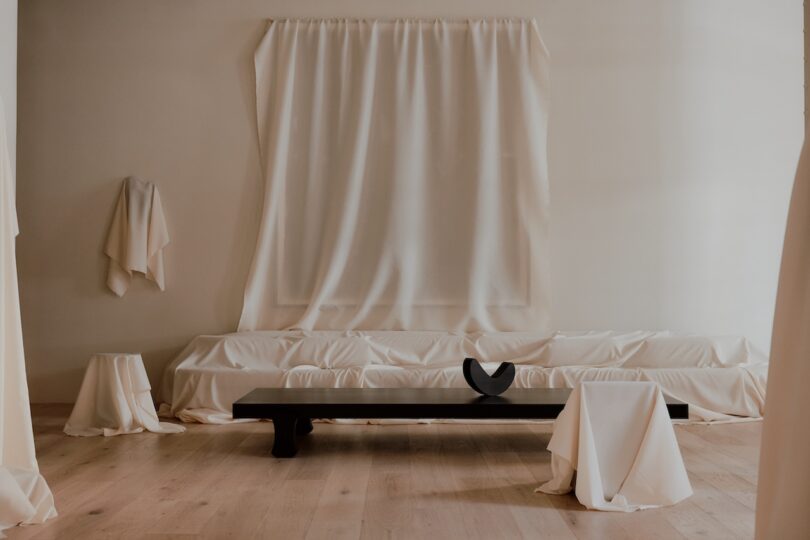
115 399
24 494
618 438
405 169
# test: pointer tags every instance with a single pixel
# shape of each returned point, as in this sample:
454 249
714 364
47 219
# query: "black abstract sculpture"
484 383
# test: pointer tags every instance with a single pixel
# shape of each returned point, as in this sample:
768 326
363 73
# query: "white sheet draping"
618 438
115 399
405 168
717 376
137 236
24 495
25 498
783 495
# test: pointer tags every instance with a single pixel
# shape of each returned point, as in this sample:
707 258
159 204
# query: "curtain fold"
24 495
783 494
405 170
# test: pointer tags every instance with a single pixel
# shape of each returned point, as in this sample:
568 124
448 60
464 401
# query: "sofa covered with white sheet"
721 378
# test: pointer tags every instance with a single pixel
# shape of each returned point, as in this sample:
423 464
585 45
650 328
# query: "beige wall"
674 135
8 70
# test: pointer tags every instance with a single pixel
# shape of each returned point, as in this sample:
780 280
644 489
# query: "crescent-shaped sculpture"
484 383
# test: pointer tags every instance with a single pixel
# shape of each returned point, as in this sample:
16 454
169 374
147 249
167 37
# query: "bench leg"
303 426
284 437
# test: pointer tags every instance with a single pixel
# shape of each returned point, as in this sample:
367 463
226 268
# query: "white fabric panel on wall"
783 494
405 169
24 495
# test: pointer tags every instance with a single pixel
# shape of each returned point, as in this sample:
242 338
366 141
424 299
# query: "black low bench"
292 409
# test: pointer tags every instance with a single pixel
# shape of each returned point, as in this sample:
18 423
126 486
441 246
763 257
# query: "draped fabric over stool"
115 399
24 494
619 439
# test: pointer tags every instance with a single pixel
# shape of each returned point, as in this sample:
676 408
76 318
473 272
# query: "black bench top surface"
409 403
401 396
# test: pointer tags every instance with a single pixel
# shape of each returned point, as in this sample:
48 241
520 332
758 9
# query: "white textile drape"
24 495
115 399
405 168
783 495
618 439
137 236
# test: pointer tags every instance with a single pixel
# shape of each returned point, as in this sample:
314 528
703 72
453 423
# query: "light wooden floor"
351 481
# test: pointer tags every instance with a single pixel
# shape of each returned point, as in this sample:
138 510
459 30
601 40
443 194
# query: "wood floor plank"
176 460
388 512
711 468
291 509
339 511
719 455
734 516
692 521
413 481
486 511
243 492
436 510
532 511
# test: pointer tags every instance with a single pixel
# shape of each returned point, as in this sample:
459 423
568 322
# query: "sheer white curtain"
405 169
24 495
783 495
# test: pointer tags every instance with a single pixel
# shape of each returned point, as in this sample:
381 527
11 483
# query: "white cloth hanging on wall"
115 399
618 438
137 236
783 494
405 168
24 494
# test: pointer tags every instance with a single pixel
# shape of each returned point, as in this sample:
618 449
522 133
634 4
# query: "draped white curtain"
24 495
405 169
783 496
